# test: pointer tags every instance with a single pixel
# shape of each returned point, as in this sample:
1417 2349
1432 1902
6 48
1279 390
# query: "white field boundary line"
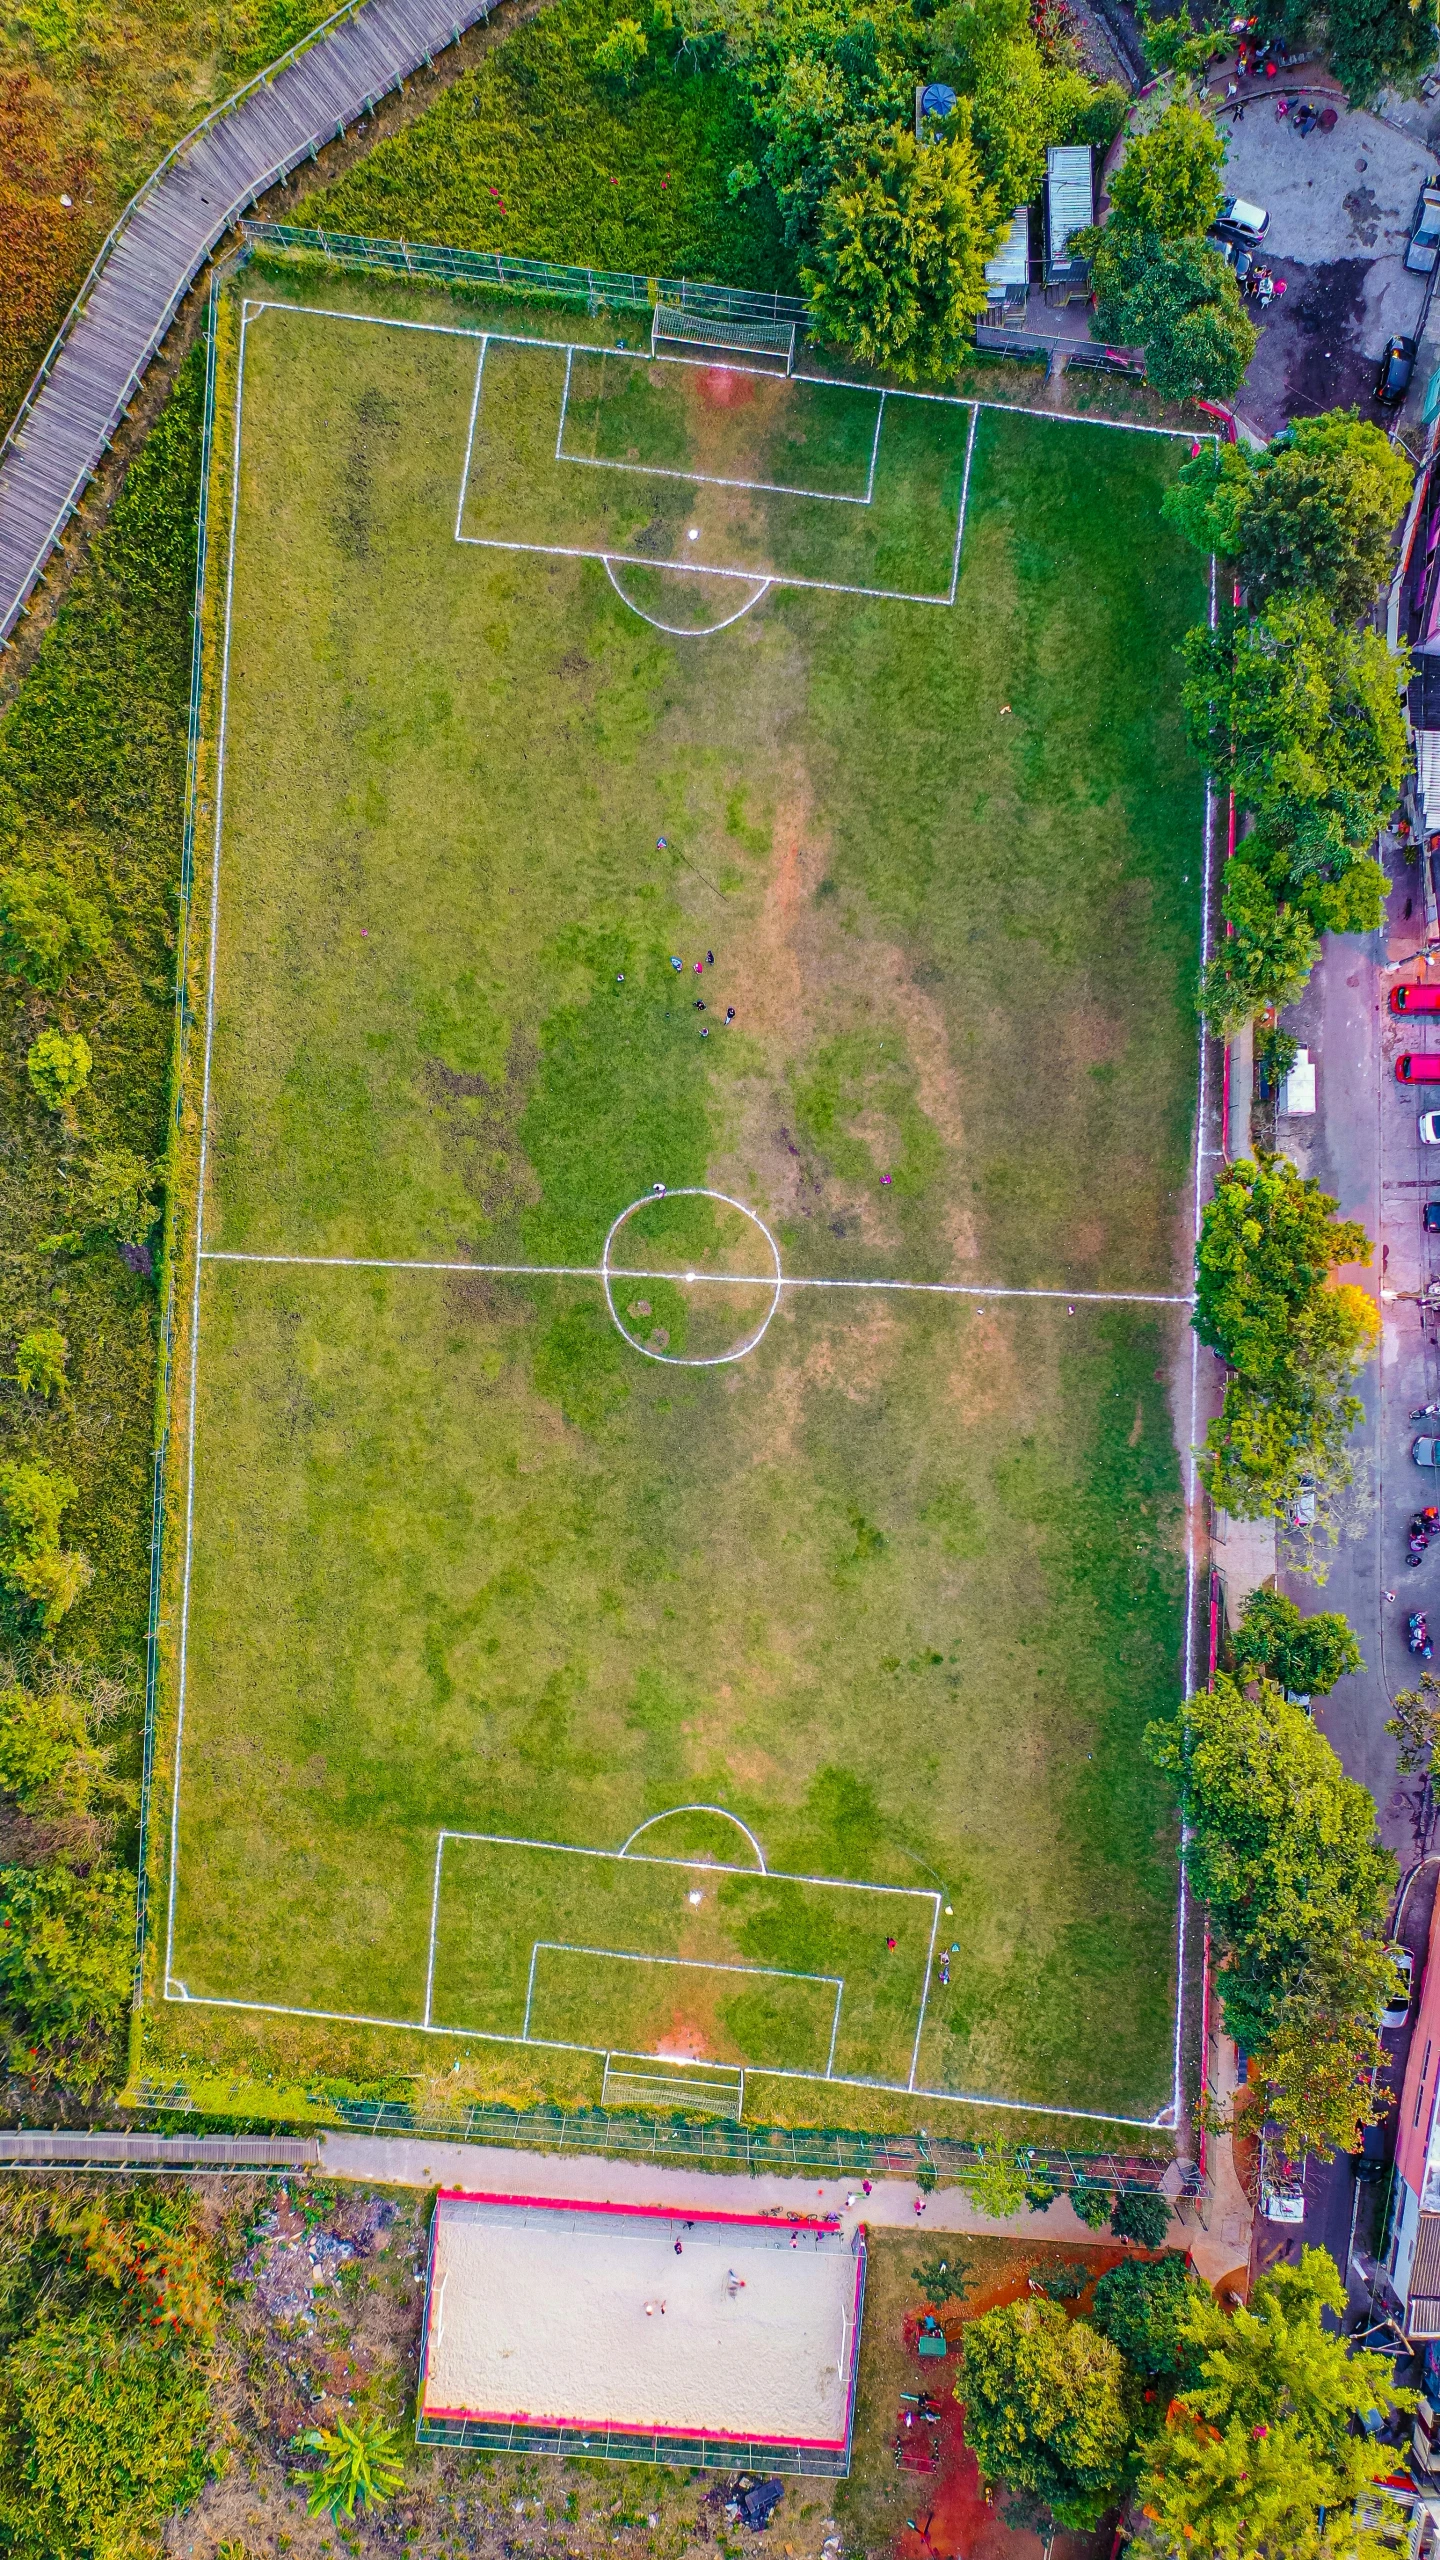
1192 1550
762 373
964 501
183 1660
679 1964
715 1279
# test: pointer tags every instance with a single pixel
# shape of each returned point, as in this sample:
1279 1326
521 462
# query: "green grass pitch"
528 1504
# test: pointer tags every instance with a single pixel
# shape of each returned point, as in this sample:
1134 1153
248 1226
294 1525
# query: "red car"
1420 1066
1412 998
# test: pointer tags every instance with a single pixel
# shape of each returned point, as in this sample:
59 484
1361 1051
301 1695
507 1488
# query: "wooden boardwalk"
163 240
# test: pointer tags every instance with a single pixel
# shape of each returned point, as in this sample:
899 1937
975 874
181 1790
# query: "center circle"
613 1268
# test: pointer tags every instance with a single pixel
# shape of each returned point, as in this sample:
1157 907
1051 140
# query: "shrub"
67 1945
40 1361
47 930
33 1567
1141 2306
120 1194
620 57
58 1065
104 2434
1142 2218
363 2466
1092 2203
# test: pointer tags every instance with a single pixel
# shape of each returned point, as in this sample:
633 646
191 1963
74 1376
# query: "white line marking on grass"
434 1923
874 449
564 405
184 1646
714 1279
964 497
698 1866
470 438
373 320
696 568
712 480
718 1809
925 1994
686 630
680 1359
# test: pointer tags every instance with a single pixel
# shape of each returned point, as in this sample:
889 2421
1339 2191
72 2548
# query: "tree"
363 2466
33 1566
1304 1655
1092 2203
620 56
103 2434
1281 1849
1304 720
1273 1447
1050 2408
1265 959
898 271
1415 1725
58 1065
1140 2307
1168 183
1268 2451
821 83
47 931
67 1945
1321 512
1179 301
999 2182
1313 513
1142 2218
120 1194
1020 108
1268 1239
40 1361
1380 43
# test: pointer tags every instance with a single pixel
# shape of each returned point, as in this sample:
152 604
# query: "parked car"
1395 2009
1245 223
1414 997
1430 1217
1424 244
1301 1512
1428 1124
1282 2185
1423 1451
1418 1066
1396 367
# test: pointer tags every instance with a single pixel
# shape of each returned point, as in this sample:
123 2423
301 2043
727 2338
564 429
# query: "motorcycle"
1422 1411
1419 1637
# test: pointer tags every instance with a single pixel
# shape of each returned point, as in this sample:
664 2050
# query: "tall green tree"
898 270
1050 2409
1169 182
1267 2454
1281 1849
1266 958
1141 2308
1313 513
1269 1239
1306 1655
1179 301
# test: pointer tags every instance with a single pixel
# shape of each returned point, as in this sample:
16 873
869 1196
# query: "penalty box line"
716 1279
708 479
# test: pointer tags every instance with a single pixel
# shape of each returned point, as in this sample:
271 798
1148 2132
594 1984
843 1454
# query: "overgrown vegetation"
1282 1850
1159 283
1292 1338
91 777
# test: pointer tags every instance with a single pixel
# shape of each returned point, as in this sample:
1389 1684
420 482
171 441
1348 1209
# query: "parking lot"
1340 207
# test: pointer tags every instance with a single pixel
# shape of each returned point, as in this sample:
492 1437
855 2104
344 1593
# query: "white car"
1429 1128
1282 2186
1425 231
1396 2008
1247 223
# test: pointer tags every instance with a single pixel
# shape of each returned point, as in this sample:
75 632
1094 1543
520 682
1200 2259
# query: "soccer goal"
671 325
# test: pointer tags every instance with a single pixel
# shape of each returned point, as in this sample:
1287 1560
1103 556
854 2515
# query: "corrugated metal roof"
1069 196
1422 2312
1011 262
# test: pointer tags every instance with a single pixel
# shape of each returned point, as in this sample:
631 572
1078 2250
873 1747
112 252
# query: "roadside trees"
1304 1655
1179 301
1267 2452
1169 181
1281 1849
1314 512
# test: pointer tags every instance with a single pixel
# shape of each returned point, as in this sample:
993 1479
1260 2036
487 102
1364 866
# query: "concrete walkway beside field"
409 2161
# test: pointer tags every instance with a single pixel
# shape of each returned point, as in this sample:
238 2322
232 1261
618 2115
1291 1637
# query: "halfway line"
730 1279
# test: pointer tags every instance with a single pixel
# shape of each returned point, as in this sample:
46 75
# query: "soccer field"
682 1521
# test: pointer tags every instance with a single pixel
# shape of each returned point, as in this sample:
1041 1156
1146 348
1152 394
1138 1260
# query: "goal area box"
630 2333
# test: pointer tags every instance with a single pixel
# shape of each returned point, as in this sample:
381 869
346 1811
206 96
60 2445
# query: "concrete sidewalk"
407 2161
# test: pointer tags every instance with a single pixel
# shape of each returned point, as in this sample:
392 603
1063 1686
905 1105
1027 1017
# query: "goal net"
673 326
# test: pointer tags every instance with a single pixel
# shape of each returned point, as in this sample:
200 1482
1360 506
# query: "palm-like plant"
362 2466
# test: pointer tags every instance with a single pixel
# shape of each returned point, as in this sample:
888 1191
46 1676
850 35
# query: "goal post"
673 326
